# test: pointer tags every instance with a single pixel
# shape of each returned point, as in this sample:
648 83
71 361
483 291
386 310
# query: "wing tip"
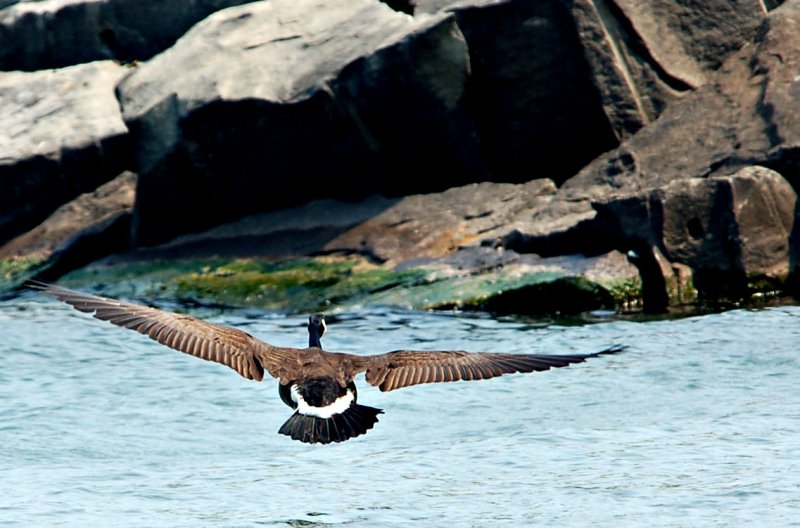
37 285
613 349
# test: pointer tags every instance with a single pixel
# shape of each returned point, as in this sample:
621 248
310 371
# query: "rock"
644 55
61 134
294 101
93 225
291 233
537 108
601 71
506 282
730 231
434 225
58 33
396 232
423 251
746 115
90 209
339 283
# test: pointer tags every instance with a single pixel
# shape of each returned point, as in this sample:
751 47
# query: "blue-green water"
696 424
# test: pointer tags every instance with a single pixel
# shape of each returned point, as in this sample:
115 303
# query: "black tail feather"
355 421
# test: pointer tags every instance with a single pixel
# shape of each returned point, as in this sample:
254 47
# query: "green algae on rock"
295 286
14 271
313 284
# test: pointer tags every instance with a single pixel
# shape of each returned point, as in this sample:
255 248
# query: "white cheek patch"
340 405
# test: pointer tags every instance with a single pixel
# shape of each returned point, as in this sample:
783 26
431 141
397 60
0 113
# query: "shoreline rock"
61 135
299 135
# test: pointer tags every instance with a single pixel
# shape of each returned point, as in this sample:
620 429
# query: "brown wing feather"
403 368
228 346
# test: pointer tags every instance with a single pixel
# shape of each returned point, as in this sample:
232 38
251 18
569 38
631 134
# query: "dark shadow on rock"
403 6
588 237
629 226
793 282
566 296
536 107
292 233
89 246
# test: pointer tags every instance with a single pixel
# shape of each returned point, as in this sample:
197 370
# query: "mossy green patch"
294 286
304 285
319 284
15 271
627 293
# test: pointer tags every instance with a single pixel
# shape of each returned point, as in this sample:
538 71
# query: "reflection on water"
696 424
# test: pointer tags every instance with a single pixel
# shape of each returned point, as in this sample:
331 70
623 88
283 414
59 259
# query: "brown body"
304 369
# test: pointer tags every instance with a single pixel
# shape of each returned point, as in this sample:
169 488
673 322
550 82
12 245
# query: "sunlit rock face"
273 104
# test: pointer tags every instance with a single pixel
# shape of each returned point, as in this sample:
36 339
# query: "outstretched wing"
403 368
231 347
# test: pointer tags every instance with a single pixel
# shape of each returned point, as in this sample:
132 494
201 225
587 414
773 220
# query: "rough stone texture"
297 100
644 54
602 69
729 230
58 33
87 211
747 114
435 225
538 112
61 134
93 225
480 278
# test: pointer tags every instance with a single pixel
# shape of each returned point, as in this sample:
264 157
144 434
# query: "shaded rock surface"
57 33
296 100
290 233
90 211
89 227
61 134
645 54
538 112
434 225
601 70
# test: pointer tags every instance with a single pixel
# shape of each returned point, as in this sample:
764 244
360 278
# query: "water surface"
696 424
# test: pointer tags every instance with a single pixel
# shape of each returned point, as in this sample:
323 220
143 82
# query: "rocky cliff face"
472 138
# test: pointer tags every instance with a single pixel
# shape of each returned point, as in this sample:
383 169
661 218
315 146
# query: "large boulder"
61 134
731 231
643 55
557 83
747 114
58 33
276 103
538 111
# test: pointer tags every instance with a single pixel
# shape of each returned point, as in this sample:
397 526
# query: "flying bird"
316 383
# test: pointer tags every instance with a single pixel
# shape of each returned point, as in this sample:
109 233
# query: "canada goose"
317 383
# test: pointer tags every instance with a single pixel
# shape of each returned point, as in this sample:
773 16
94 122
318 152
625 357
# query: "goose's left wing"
221 344
403 368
